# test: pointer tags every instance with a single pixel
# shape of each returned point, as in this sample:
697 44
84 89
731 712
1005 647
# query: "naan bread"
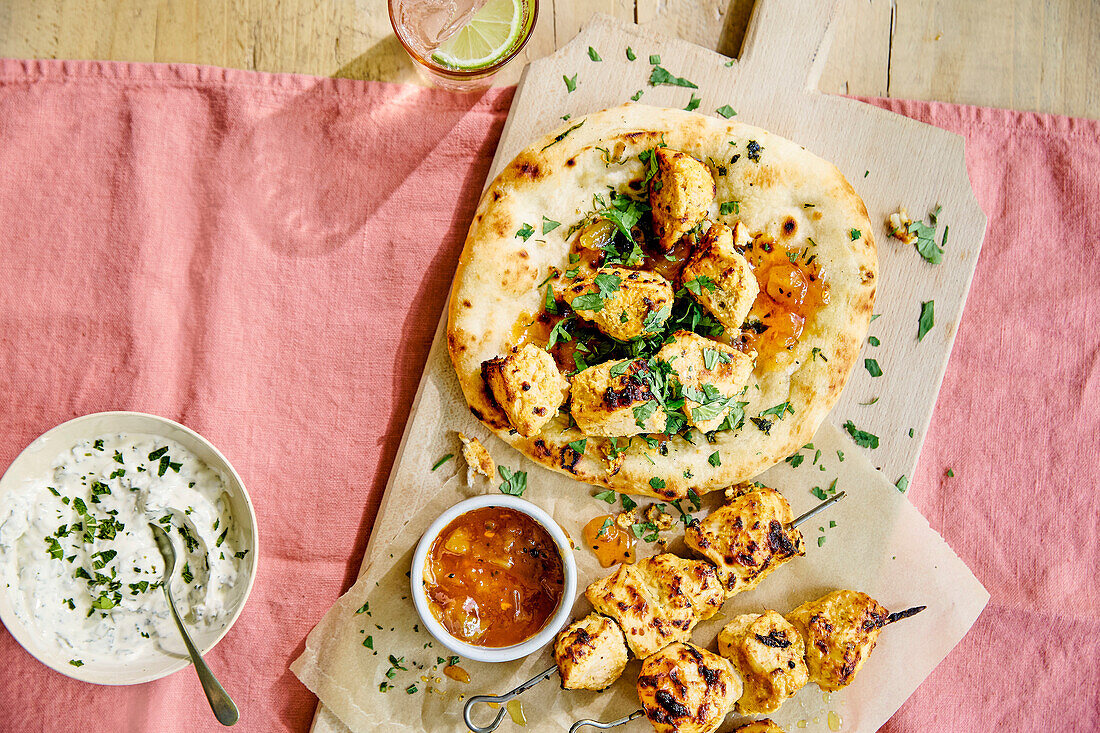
783 193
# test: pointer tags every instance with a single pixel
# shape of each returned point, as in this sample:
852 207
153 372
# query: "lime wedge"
483 41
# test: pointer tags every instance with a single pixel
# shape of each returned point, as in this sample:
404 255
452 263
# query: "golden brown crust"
765 725
773 179
769 654
685 689
590 653
840 630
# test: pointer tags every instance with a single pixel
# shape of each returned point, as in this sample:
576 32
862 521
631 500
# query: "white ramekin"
495 654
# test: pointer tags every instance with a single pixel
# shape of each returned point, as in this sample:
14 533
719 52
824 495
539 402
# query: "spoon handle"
225 710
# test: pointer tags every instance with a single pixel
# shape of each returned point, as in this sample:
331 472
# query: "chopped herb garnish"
442 460
950 473
558 138
778 411
630 55
654 59
570 83
53 548
821 540
158 453
186 574
693 103
607 524
592 54
636 95
98 444
855 234
76 662
515 482
861 437
164 461
365 608
795 459
819 493
661 75
927 319
578 446
369 642
873 340
657 483
726 111
715 459
872 367
729 207
549 225
525 232
902 484
627 502
607 496
753 150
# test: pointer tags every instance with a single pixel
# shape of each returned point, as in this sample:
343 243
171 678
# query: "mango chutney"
493 577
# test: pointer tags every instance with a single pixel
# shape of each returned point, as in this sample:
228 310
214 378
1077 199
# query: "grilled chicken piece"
730 288
680 195
747 538
709 391
657 600
605 397
840 630
528 387
590 653
759 726
624 304
685 689
769 654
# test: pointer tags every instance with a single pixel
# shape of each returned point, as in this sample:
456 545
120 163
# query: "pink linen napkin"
264 258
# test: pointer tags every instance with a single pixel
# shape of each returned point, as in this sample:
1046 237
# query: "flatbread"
783 193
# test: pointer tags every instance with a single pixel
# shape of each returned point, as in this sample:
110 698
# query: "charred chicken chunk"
528 387
656 600
614 399
680 195
840 630
759 726
747 538
712 374
769 654
685 689
590 653
624 304
718 276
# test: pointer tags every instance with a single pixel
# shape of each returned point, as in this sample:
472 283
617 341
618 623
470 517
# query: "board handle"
788 40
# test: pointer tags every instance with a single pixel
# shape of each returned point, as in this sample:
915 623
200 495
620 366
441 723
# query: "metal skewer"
813 512
467 709
467 716
601 724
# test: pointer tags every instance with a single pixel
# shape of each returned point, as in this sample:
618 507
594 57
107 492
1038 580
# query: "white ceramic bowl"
495 654
37 459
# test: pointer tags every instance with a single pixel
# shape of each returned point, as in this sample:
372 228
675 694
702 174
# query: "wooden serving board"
890 160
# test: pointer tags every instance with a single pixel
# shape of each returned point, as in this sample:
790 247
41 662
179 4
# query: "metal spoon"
224 709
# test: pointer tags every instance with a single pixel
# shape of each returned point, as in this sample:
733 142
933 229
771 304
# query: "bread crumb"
477 459
661 519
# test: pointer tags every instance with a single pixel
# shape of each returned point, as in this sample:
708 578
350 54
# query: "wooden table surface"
1041 55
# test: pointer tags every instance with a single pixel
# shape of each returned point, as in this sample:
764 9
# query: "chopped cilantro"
861 437
636 95
525 232
630 55
98 444
715 459
365 608
549 225
661 75
627 502
795 459
855 234
654 59
515 482
726 111
657 483
950 473
606 496
187 574
76 662
158 453
778 411
592 54
118 457
902 484
442 460
693 103
819 493
927 319
729 207
578 446
821 540
873 340
369 642
872 367
570 83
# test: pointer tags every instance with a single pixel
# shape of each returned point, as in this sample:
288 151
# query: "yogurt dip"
79 563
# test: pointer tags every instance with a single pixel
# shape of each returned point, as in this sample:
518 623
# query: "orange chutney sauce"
493 577
612 545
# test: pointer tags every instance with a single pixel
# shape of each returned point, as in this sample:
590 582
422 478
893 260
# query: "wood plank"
1024 54
1027 54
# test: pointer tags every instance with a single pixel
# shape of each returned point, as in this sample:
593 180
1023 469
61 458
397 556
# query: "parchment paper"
880 545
